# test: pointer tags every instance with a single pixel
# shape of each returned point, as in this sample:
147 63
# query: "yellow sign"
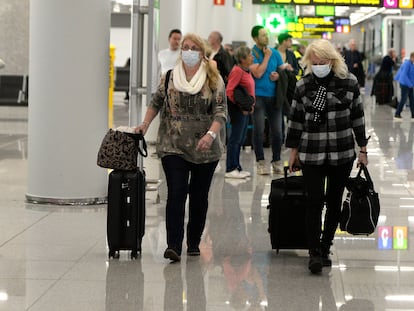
374 3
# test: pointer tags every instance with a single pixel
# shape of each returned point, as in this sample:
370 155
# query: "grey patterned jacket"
185 118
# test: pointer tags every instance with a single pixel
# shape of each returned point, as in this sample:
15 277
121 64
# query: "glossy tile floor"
55 257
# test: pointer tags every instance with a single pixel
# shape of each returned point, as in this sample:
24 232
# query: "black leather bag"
243 98
394 102
361 208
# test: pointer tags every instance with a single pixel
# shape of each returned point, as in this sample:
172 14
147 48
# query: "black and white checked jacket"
330 141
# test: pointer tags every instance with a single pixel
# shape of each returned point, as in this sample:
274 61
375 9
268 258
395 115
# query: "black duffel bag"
361 208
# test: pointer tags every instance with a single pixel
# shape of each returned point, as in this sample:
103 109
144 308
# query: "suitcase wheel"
134 254
113 254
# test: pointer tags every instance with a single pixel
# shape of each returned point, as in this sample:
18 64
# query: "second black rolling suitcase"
287 213
126 212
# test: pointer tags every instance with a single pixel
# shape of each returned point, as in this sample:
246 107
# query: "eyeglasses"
193 48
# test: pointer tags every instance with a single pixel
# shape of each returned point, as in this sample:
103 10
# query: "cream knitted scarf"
195 84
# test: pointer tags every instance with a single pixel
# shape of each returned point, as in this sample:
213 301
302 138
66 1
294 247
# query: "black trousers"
315 177
186 178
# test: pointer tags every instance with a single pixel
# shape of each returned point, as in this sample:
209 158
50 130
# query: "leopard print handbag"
119 150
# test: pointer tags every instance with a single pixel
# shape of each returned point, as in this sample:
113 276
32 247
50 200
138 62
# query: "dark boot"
315 261
325 254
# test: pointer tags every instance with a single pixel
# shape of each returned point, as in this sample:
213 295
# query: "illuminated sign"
275 23
324 10
400 240
406 4
342 24
388 4
316 24
374 3
402 4
392 237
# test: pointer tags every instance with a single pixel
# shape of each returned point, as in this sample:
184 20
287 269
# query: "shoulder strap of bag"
166 102
256 54
167 79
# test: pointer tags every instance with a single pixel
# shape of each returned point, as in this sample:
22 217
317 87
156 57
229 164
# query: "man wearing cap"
288 57
264 69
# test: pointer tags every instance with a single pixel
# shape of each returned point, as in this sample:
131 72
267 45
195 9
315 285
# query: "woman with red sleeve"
240 92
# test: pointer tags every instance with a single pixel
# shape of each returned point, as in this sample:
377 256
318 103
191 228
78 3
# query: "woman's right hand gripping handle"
142 128
294 164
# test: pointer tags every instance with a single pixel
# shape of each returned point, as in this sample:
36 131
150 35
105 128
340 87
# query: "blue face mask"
321 71
190 58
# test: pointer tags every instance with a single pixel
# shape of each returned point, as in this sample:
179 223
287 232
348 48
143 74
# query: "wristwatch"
212 134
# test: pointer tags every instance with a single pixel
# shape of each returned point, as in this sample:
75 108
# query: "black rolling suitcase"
126 209
287 213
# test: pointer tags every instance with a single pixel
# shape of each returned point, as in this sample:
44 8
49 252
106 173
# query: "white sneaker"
245 173
262 168
277 167
234 174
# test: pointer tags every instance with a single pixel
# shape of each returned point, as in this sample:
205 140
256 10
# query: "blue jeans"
184 178
239 123
405 92
265 106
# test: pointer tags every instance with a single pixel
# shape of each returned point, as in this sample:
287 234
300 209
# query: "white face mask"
190 58
321 71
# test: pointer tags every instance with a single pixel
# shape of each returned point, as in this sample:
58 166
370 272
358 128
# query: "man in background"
168 57
264 69
353 59
223 59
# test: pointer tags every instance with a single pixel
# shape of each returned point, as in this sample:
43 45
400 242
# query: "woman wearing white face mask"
326 114
191 100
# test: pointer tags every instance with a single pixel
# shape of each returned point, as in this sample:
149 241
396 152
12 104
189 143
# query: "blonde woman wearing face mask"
192 107
326 114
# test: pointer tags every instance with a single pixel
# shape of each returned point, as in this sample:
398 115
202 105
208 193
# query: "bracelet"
146 123
212 134
364 152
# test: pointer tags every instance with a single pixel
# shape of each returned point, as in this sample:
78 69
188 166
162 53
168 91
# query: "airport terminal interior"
55 257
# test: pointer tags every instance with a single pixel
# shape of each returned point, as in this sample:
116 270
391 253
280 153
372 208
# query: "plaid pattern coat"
331 140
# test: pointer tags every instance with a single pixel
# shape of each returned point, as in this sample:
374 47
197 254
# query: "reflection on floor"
55 258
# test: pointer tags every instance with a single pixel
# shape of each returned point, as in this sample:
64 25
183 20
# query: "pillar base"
69 201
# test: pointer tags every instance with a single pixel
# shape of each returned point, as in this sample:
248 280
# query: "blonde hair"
212 71
324 49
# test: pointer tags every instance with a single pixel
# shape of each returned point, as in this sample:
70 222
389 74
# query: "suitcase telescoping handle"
286 171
